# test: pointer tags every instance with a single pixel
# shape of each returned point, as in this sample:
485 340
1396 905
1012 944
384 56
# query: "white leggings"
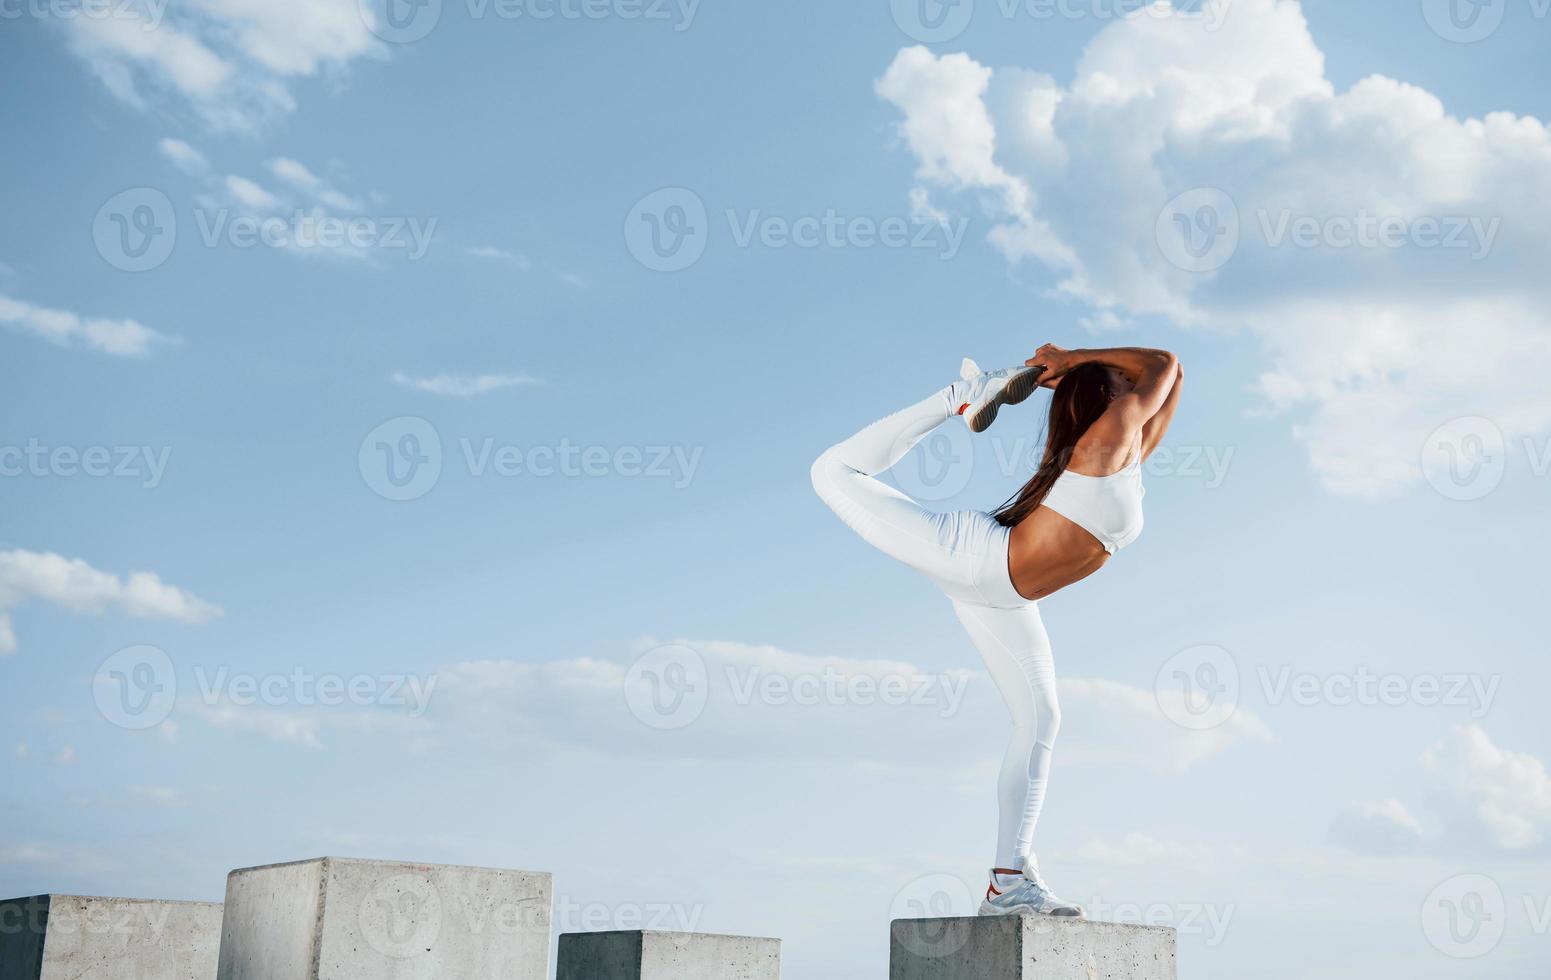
965 554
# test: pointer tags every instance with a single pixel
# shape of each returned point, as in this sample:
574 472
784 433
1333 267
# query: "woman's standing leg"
1016 651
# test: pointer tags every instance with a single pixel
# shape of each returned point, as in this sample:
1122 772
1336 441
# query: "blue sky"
624 451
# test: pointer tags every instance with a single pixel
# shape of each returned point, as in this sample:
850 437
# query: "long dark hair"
1081 396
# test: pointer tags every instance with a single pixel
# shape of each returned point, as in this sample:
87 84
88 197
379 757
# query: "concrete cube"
1028 948
346 919
73 937
666 956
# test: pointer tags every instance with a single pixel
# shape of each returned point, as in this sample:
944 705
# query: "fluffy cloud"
77 586
1136 729
230 61
1506 794
1485 797
119 338
1386 251
303 213
722 700
183 156
1384 827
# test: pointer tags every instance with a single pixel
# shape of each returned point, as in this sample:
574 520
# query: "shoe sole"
1020 387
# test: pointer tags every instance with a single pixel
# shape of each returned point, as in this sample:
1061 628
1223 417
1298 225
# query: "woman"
1108 413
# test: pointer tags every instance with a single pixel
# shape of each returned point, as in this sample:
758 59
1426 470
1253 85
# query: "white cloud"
77 586
491 252
1507 793
120 338
166 797
298 176
1383 827
1369 348
183 156
295 174
230 61
775 704
463 385
304 725
299 216
1488 798
250 195
1137 731
65 756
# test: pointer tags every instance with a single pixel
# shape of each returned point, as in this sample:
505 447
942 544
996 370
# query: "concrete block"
346 919
74 937
1028 948
666 956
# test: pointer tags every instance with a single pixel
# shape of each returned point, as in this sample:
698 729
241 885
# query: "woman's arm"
1154 374
1136 363
1155 427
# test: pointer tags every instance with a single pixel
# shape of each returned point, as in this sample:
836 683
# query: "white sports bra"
1107 507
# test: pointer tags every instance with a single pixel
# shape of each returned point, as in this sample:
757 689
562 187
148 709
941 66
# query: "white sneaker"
982 393
1026 894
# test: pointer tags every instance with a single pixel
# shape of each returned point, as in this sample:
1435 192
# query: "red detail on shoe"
991 890
963 408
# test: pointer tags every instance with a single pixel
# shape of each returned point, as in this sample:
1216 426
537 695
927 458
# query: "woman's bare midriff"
1047 552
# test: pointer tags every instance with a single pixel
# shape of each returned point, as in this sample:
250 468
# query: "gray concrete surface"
1028 948
75 937
347 919
641 955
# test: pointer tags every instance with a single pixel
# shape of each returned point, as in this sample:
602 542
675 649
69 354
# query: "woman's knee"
825 475
1048 721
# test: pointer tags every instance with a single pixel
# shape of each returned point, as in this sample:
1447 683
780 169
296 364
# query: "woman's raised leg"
845 477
